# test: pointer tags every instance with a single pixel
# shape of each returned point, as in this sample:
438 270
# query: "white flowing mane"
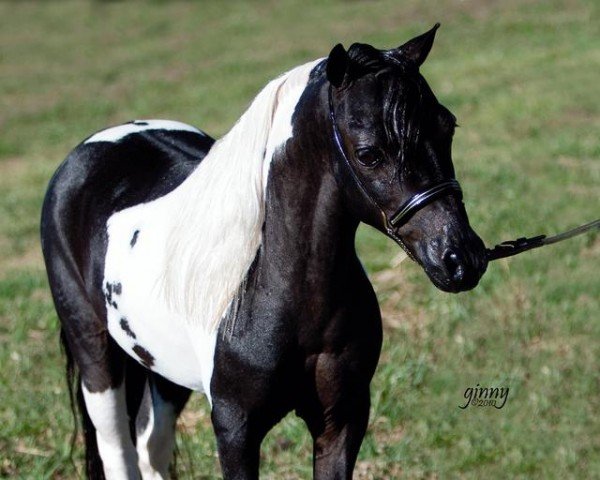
216 227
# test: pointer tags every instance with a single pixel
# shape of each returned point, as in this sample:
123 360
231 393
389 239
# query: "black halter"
410 206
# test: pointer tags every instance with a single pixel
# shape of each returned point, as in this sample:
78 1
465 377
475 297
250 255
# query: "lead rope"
514 247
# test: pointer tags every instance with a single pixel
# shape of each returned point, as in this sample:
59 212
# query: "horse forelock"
403 110
216 222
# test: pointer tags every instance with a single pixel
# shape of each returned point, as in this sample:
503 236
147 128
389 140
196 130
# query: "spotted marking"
108 295
145 356
126 328
111 289
134 238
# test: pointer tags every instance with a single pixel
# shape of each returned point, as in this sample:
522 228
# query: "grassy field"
522 78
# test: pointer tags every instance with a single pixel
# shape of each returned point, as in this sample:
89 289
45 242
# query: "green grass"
522 78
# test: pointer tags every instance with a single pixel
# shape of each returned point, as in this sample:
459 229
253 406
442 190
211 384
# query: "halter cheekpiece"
411 206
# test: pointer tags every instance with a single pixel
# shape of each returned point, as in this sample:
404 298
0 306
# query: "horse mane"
216 225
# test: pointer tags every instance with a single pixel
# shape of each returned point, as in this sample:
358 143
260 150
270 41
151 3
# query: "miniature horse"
178 263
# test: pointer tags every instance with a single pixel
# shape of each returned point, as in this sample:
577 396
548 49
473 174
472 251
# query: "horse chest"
137 316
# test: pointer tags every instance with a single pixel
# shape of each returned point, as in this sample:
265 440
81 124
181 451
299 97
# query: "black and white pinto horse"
181 264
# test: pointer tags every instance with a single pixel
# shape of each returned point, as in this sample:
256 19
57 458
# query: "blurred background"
521 76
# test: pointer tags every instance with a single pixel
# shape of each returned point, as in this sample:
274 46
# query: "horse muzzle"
456 266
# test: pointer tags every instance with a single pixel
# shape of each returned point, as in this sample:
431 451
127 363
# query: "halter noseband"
409 207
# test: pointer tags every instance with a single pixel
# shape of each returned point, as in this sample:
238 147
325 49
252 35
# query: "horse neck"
308 232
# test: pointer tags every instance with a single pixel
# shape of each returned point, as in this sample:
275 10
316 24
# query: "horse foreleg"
337 419
336 449
239 436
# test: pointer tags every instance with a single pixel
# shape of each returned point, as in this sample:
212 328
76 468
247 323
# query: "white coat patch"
138 318
114 134
202 237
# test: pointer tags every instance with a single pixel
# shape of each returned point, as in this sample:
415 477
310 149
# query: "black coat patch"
126 328
145 356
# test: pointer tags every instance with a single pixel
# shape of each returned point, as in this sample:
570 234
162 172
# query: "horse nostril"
454 265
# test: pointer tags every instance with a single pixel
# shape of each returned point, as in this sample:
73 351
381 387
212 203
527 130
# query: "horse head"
393 141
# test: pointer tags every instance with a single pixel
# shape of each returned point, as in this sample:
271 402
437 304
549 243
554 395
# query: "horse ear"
417 49
338 64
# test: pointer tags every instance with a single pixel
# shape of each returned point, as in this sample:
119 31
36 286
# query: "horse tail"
93 463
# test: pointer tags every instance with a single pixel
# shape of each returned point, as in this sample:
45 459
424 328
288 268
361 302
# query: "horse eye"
369 156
